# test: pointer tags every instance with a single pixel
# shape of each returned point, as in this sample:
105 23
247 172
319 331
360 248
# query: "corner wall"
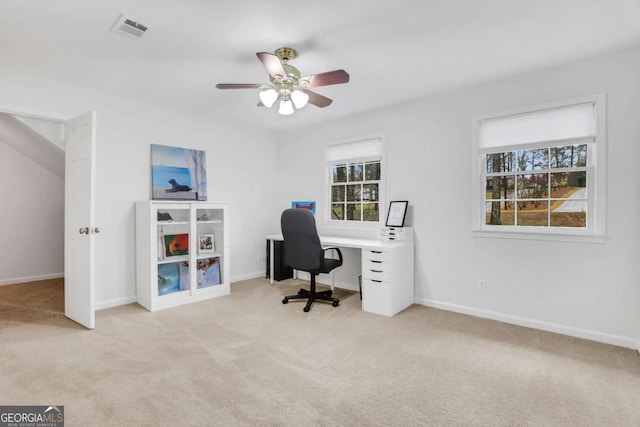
579 289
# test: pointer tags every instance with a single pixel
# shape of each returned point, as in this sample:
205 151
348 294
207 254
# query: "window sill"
524 235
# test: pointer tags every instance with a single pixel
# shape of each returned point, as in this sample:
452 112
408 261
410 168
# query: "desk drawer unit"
387 280
376 289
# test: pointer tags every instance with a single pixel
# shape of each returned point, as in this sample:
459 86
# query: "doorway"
58 153
32 168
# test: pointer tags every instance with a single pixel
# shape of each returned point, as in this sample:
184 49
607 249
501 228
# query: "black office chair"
302 251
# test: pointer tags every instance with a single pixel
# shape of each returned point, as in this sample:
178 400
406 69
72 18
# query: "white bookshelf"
171 267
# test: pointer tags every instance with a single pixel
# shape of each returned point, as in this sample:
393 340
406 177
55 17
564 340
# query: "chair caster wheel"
306 309
284 301
335 303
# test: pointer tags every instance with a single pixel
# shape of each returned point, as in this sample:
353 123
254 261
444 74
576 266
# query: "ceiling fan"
287 83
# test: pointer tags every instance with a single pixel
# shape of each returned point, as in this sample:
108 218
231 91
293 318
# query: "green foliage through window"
355 191
544 187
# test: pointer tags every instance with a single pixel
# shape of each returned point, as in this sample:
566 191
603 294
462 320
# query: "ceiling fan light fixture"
286 107
268 97
299 98
287 84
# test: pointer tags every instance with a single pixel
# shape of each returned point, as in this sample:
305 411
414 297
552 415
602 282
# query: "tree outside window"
544 187
355 191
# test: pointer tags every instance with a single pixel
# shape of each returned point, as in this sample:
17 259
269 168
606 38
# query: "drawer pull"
376 252
377 281
377 262
377 271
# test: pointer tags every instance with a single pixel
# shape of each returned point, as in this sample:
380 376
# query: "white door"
79 224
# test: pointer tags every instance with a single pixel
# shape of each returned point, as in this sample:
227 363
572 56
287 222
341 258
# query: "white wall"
239 170
581 289
31 219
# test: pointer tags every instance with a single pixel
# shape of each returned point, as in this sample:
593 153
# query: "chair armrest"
332 249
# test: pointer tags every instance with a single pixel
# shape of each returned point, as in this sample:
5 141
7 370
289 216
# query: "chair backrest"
302 249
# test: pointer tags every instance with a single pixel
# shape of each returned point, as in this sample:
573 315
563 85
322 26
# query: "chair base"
311 295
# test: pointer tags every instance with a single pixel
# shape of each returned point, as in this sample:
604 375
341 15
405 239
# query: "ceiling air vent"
128 28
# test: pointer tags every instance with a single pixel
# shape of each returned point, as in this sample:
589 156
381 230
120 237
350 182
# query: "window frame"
328 182
594 232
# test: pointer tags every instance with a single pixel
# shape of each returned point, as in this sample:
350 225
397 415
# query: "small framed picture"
397 213
208 272
206 244
310 206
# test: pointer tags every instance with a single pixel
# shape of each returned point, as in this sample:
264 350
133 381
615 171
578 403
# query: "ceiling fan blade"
329 78
317 99
239 85
272 63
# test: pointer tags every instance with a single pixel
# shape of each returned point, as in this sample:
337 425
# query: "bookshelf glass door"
173 238
210 230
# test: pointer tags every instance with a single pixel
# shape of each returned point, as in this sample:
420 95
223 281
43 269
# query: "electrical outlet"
482 286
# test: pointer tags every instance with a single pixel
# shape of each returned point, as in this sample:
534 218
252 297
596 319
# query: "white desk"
387 271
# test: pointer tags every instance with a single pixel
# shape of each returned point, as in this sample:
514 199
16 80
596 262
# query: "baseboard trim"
132 298
247 276
325 279
115 302
616 340
28 279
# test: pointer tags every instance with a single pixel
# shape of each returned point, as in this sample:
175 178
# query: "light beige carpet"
249 360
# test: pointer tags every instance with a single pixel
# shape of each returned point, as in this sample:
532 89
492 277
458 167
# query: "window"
537 170
537 187
355 181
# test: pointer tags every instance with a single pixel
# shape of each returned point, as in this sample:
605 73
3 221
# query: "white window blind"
574 121
365 149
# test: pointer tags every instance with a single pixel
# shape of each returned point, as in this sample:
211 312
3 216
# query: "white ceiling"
394 50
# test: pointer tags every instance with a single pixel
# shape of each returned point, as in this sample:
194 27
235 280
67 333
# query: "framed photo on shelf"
206 244
176 244
397 213
208 272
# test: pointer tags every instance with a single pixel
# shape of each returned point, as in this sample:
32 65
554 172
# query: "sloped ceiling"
394 50
29 143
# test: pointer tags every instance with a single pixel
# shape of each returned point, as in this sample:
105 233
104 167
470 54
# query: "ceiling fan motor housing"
286 53
290 81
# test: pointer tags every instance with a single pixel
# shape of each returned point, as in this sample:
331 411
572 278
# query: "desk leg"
271 245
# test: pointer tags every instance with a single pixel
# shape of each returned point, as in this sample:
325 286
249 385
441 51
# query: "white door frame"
49 116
